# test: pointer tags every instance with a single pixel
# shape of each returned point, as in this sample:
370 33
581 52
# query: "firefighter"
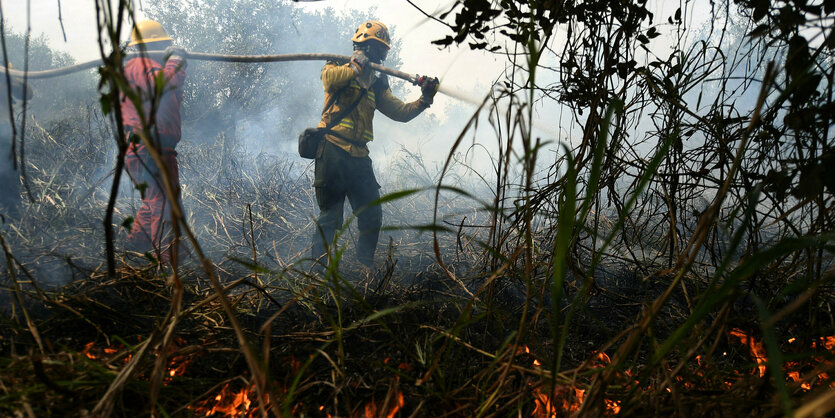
156 72
342 166
9 178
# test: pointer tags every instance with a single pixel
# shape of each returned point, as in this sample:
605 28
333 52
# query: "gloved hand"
175 52
428 87
359 62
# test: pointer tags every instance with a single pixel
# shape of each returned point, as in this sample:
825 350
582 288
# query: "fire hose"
201 56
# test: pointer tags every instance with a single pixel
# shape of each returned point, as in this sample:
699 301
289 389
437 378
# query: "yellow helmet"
148 31
373 29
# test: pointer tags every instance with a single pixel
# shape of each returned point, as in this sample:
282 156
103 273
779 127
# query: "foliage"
739 176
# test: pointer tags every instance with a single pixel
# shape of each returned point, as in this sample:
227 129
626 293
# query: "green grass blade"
775 357
565 233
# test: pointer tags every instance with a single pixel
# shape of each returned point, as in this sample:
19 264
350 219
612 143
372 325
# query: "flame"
523 349
612 406
794 376
228 402
94 353
604 358
400 403
176 366
792 368
829 342
569 399
322 409
86 351
601 359
825 377
371 410
756 348
404 366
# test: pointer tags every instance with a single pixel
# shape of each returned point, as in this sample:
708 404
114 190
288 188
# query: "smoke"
244 187
248 195
242 122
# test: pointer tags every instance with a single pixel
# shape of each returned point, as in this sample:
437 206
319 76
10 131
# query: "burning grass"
398 353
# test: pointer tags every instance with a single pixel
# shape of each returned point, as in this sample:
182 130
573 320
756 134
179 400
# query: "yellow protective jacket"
356 130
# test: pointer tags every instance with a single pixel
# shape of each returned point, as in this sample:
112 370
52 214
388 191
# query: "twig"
61 22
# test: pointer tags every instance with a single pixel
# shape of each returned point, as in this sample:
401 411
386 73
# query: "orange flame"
95 353
569 399
228 402
756 348
371 410
404 366
612 406
829 342
86 351
791 367
177 366
565 399
601 359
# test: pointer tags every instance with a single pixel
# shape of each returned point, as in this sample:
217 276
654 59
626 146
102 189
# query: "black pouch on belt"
309 141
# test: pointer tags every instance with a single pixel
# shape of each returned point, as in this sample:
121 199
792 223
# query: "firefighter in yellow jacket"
343 168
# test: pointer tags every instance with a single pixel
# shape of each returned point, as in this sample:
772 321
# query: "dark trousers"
151 228
339 175
9 177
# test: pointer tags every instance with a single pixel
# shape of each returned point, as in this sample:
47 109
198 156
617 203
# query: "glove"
358 62
174 52
428 88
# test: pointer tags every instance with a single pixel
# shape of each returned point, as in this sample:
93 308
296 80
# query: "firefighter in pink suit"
157 73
